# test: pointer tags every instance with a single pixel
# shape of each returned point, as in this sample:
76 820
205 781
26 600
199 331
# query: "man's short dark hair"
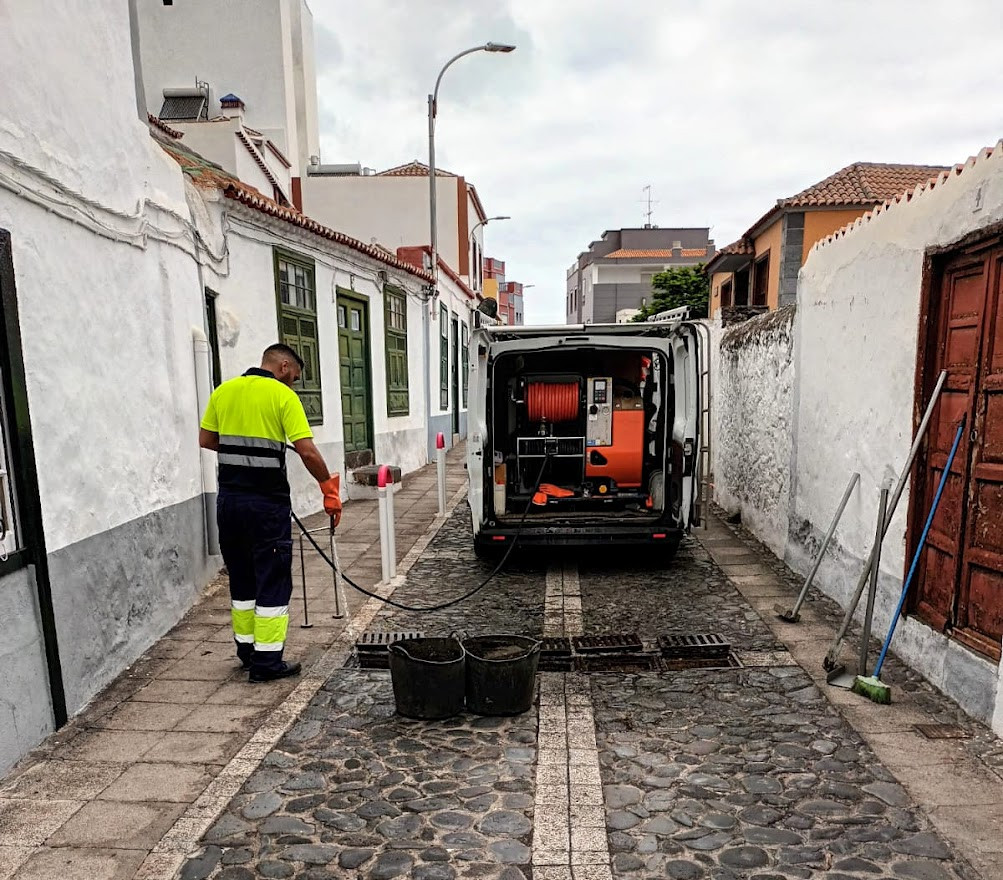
281 350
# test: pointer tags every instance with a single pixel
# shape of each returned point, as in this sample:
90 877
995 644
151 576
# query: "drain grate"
378 642
680 646
607 643
372 647
628 662
680 664
942 731
555 646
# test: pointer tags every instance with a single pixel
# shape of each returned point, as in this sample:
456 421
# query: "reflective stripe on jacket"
255 415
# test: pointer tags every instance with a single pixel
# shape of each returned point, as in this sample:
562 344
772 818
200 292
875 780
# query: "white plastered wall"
108 296
247 324
856 349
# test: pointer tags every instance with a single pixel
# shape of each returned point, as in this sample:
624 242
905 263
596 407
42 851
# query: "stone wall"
753 405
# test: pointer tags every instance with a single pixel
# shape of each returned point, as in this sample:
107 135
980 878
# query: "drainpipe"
203 390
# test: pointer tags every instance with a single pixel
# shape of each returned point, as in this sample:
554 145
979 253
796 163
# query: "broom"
871 686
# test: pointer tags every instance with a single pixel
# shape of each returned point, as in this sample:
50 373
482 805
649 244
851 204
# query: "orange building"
761 268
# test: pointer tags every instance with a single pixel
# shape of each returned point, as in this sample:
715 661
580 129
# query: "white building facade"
101 296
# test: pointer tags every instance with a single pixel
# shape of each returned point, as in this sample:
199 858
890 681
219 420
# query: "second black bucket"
501 673
427 677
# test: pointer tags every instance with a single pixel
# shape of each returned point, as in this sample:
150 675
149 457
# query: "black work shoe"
287 669
245 663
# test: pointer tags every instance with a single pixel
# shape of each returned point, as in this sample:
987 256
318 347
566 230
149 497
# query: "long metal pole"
793 615
829 662
865 636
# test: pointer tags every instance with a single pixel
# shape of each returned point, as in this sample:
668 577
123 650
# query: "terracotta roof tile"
413 169
863 183
164 127
654 254
208 175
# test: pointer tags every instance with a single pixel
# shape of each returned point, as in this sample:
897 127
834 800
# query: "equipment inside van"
585 434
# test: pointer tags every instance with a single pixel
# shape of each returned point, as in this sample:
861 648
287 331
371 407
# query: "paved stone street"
751 769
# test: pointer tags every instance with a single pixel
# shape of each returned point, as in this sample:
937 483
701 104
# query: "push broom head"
873 688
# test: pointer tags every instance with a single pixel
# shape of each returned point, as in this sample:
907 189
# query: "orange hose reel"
552 401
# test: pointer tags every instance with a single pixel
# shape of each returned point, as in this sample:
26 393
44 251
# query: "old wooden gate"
960 580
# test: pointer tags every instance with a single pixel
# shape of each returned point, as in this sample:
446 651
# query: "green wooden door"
353 353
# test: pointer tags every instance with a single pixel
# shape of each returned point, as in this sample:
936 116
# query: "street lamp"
433 101
432 111
475 270
481 223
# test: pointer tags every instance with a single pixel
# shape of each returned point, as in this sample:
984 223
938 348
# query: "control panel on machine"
599 431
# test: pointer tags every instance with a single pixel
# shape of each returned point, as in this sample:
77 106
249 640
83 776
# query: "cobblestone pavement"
724 773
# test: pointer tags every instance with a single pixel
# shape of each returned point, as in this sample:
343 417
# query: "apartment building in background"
614 274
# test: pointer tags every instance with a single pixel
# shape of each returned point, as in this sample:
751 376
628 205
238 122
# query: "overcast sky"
722 106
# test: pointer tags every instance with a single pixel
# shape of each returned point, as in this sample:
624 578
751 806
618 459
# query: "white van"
585 434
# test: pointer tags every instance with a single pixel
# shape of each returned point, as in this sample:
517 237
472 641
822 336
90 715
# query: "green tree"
680 286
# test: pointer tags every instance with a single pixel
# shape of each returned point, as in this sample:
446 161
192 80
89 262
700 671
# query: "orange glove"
331 487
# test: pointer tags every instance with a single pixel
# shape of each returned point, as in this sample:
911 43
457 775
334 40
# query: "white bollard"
384 523
440 468
391 525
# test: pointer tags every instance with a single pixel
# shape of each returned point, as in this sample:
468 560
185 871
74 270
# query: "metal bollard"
440 469
381 483
391 525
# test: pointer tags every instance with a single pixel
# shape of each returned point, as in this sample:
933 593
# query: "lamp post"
481 223
431 306
475 270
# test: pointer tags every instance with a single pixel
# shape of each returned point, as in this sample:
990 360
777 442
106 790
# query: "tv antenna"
647 200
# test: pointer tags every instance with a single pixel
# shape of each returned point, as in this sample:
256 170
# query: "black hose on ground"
451 602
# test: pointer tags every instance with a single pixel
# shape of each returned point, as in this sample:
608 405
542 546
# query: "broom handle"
919 547
831 657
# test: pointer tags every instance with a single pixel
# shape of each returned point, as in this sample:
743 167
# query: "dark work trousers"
255 538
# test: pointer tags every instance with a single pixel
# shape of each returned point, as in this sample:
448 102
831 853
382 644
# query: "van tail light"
658 535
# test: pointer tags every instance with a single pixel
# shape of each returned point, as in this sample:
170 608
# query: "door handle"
974 436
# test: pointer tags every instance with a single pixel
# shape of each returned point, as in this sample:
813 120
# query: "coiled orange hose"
555 402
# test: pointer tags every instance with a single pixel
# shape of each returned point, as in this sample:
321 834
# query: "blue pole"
919 548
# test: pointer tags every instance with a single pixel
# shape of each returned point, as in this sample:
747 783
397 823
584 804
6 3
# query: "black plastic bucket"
501 673
427 677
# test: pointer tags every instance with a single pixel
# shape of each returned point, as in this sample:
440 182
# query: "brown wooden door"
959 304
980 605
960 579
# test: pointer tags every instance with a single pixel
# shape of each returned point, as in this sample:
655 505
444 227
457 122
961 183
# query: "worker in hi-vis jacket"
247 423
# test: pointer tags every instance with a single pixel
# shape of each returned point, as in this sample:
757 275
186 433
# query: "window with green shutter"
395 333
464 361
443 358
296 293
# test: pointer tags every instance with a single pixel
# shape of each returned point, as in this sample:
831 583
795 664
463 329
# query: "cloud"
722 106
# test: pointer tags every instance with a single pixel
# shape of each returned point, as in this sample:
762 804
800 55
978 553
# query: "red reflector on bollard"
659 535
497 537
440 440
383 476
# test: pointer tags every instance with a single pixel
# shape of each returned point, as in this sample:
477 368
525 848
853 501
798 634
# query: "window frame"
395 341
761 299
443 358
310 390
21 504
464 365
727 288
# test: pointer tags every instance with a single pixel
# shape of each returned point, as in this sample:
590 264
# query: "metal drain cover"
678 646
942 731
629 662
555 646
378 642
607 643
